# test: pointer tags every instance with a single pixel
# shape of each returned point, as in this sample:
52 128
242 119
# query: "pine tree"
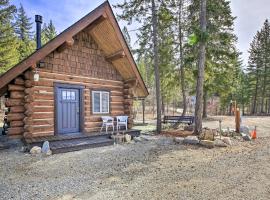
23 27
259 70
146 13
8 43
48 32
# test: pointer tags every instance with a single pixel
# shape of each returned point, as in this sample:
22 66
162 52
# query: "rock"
207 143
137 139
246 137
48 153
244 129
35 150
179 140
45 147
219 143
191 140
207 134
24 149
127 138
227 140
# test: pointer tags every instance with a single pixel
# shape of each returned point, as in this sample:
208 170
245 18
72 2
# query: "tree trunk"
156 67
182 69
264 89
253 110
205 104
201 65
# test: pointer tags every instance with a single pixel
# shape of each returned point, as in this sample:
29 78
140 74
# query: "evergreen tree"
8 42
23 28
48 32
145 12
259 70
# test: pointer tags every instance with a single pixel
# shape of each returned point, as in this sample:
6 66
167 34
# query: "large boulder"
207 143
207 134
191 140
35 150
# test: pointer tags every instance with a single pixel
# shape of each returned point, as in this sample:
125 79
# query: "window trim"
100 96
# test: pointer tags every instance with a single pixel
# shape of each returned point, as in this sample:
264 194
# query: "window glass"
105 102
64 95
100 101
72 94
96 102
68 95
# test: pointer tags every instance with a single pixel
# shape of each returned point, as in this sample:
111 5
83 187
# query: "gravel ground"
155 169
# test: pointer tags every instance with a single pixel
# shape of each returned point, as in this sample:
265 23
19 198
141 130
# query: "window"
100 102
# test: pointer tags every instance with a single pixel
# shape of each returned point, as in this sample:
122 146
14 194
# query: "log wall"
32 106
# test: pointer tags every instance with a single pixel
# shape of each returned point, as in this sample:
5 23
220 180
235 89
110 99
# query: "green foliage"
258 70
23 26
8 42
48 32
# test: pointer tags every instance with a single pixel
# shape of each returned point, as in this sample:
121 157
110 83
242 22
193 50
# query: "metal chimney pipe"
38 20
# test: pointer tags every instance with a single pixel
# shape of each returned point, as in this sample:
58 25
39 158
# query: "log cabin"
66 85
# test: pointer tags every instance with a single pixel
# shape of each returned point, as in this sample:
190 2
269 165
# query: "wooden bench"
178 119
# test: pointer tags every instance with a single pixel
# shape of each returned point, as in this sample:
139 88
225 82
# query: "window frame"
100 92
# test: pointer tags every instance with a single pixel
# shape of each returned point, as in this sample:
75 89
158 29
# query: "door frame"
81 104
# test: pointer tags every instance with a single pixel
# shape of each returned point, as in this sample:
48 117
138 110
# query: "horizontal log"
28 83
17 94
16 124
42 115
44 109
89 130
44 128
48 96
40 102
15 117
19 81
92 119
17 109
15 136
43 122
14 102
93 124
39 134
80 79
12 87
16 131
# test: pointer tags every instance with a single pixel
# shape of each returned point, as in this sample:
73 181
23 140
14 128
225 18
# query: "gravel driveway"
156 169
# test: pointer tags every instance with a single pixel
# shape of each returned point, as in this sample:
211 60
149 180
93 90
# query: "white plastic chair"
121 121
106 122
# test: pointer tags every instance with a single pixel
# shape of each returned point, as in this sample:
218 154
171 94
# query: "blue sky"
250 15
